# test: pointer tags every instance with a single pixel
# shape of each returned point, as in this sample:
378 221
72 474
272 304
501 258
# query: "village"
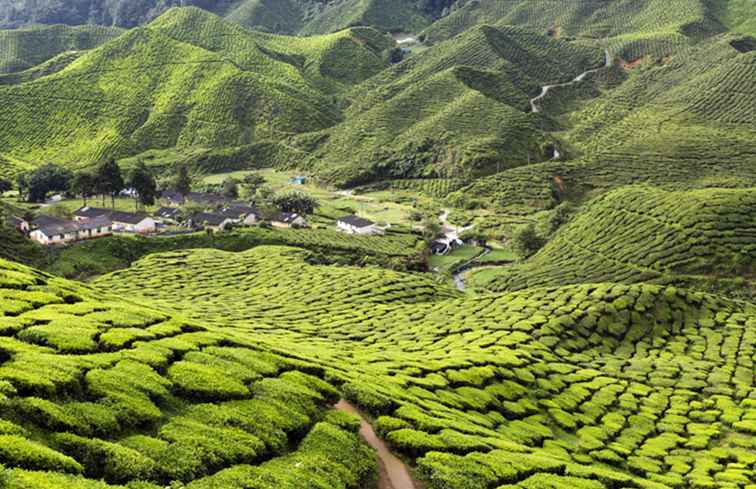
218 214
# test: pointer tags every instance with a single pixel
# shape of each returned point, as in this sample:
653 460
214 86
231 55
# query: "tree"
109 179
431 227
35 185
526 241
264 193
298 202
145 185
252 182
83 184
230 188
5 186
183 182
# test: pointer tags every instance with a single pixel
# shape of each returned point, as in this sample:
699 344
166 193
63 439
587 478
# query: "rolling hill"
641 234
187 79
22 49
594 385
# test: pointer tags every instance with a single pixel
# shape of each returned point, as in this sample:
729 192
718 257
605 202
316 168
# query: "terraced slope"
639 234
596 386
455 110
682 123
93 388
22 49
187 80
631 29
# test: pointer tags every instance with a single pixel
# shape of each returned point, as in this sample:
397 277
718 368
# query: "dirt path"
393 474
546 89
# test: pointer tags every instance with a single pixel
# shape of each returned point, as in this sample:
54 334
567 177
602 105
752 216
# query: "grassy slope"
188 79
640 234
454 110
593 386
22 49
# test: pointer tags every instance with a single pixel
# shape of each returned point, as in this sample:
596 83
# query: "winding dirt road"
393 474
546 89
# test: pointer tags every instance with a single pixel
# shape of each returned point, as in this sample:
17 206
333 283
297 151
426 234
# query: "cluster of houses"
219 215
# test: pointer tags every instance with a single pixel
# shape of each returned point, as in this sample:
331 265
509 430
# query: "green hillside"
455 110
631 29
187 80
22 49
640 234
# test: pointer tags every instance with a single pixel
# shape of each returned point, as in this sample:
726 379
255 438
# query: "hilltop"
187 79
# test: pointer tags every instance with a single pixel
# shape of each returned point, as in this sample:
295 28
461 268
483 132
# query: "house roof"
51 226
237 211
97 222
168 212
127 217
356 221
209 218
206 197
90 212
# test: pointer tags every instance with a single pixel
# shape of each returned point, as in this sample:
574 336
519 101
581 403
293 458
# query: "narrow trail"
393 474
547 88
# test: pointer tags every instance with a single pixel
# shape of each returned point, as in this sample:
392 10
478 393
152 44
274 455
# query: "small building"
49 230
171 215
86 213
443 246
95 228
288 220
127 222
357 225
212 220
298 180
241 213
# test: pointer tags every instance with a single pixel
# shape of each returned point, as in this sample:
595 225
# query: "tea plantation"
604 385
643 234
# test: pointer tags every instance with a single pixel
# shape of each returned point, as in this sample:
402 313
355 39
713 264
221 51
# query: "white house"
49 230
95 228
244 214
288 220
124 222
214 221
357 225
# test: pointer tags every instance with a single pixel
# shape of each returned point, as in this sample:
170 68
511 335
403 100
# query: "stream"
393 474
547 88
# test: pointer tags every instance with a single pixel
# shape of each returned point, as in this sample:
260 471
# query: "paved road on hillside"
546 89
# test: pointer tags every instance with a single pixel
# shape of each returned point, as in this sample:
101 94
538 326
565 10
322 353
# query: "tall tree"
183 182
83 184
109 179
298 202
35 185
143 181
